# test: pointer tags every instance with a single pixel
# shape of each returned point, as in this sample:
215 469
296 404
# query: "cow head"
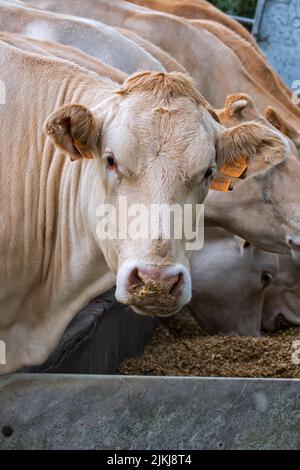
153 142
230 278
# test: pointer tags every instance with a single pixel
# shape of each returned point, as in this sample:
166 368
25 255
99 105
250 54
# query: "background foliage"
236 7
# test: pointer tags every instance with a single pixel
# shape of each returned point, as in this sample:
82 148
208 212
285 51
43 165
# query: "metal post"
243 19
254 22
258 16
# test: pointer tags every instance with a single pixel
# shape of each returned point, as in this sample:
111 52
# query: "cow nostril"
170 283
281 322
134 278
294 244
266 279
177 285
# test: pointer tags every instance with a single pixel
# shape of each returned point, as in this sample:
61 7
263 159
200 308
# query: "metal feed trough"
66 408
59 406
116 412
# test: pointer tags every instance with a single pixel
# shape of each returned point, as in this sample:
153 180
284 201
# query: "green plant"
236 7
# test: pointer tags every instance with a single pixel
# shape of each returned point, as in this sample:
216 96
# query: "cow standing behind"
90 37
215 67
230 278
239 289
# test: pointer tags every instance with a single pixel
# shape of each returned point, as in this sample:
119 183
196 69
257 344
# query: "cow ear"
238 104
274 118
238 108
244 140
75 130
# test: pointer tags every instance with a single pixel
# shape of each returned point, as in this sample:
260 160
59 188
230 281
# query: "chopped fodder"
179 347
156 293
152 291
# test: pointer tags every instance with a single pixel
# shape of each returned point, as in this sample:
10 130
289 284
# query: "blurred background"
236 7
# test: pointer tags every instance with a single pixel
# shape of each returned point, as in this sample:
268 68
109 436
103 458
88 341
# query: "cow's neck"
51 263
227 210
78 267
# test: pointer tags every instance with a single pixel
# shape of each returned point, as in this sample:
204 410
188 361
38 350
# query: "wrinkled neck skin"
251 212
85 272
52 264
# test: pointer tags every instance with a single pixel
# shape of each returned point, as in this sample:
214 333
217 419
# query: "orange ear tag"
220 184
235 170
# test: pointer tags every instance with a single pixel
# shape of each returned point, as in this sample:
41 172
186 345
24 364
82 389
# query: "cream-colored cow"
268 181
235 307
152 140
230 278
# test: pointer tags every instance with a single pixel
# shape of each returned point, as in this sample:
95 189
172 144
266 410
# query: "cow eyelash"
110 161
209 172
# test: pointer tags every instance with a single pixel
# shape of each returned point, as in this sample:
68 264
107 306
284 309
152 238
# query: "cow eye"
208 172
266 279
110 161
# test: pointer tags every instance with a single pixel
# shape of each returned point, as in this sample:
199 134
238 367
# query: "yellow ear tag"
235 170
220 184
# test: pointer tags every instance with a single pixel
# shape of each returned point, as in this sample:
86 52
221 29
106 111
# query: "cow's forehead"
148 127
144 105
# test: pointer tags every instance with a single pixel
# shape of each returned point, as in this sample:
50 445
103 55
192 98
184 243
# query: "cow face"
230 278
154 161
153 143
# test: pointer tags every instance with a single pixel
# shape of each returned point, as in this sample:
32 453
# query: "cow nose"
156 290
294 242
154 279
